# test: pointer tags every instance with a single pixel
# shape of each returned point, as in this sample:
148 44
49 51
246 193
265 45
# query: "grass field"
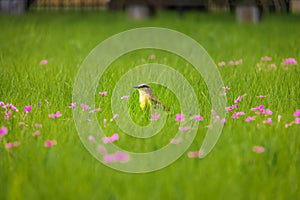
66 170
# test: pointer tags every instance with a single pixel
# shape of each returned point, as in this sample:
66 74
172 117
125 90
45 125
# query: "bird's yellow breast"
145 100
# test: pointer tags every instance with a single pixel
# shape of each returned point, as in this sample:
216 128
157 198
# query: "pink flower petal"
3 131
95 110
266 58
297 120
179 117
124 97
194 154
222 63
184 128
197 117
109 158
290 61
73 105
152 56
268 121
260 96
155 116
43 62
91 138
12 144
85 107
249 118
38 125
175 140
258 149
27 109
122 157
226 88
104 94
113 138
50 143
36 133
297 113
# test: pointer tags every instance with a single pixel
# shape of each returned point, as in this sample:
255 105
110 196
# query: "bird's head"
143 88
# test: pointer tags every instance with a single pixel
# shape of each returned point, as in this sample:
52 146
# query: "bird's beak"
136 87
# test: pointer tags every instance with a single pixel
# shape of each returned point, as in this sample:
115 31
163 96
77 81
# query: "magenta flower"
248 119
95 110
258 149
195 154
56 115
175 141
27 109
2 103
237 114
184 128
109 158
155 116
152 56
215 116
297 113
3 131
230 108
43 62
85 107
104 94
12 107
73 105
240 98
222 63
7 115
111 139
179 117
267 112
226 88
223 121
12 144
231 62
50 143
297 120
266 58
260 96
125 97
197 117
268 121
36 133
290 61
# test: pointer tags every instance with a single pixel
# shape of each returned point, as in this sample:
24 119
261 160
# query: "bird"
147 97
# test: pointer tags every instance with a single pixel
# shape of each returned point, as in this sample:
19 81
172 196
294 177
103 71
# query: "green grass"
68 171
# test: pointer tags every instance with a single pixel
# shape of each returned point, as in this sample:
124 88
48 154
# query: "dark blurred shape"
14 6
295 6
248 13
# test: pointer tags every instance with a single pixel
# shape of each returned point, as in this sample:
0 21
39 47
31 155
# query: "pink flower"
226 88
73 105
267 112
56 115
258 149
179 117
215 116
121 157
231 62
237 114
248 119
279 118
91 138
50 143
113 138
116 116
290 61
260 97
38 125
155 116
152 56
116 157
36 133
12 107
3 131
7 115
268 121
230 108
85 107
222 63
2 103
104 94
272 65
95 110
240 98
266 58
124 97
184 128
223 121
297 113
27 109
194 154
197 117
175 141
102 150
297 120
39 104
12 144
43 62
